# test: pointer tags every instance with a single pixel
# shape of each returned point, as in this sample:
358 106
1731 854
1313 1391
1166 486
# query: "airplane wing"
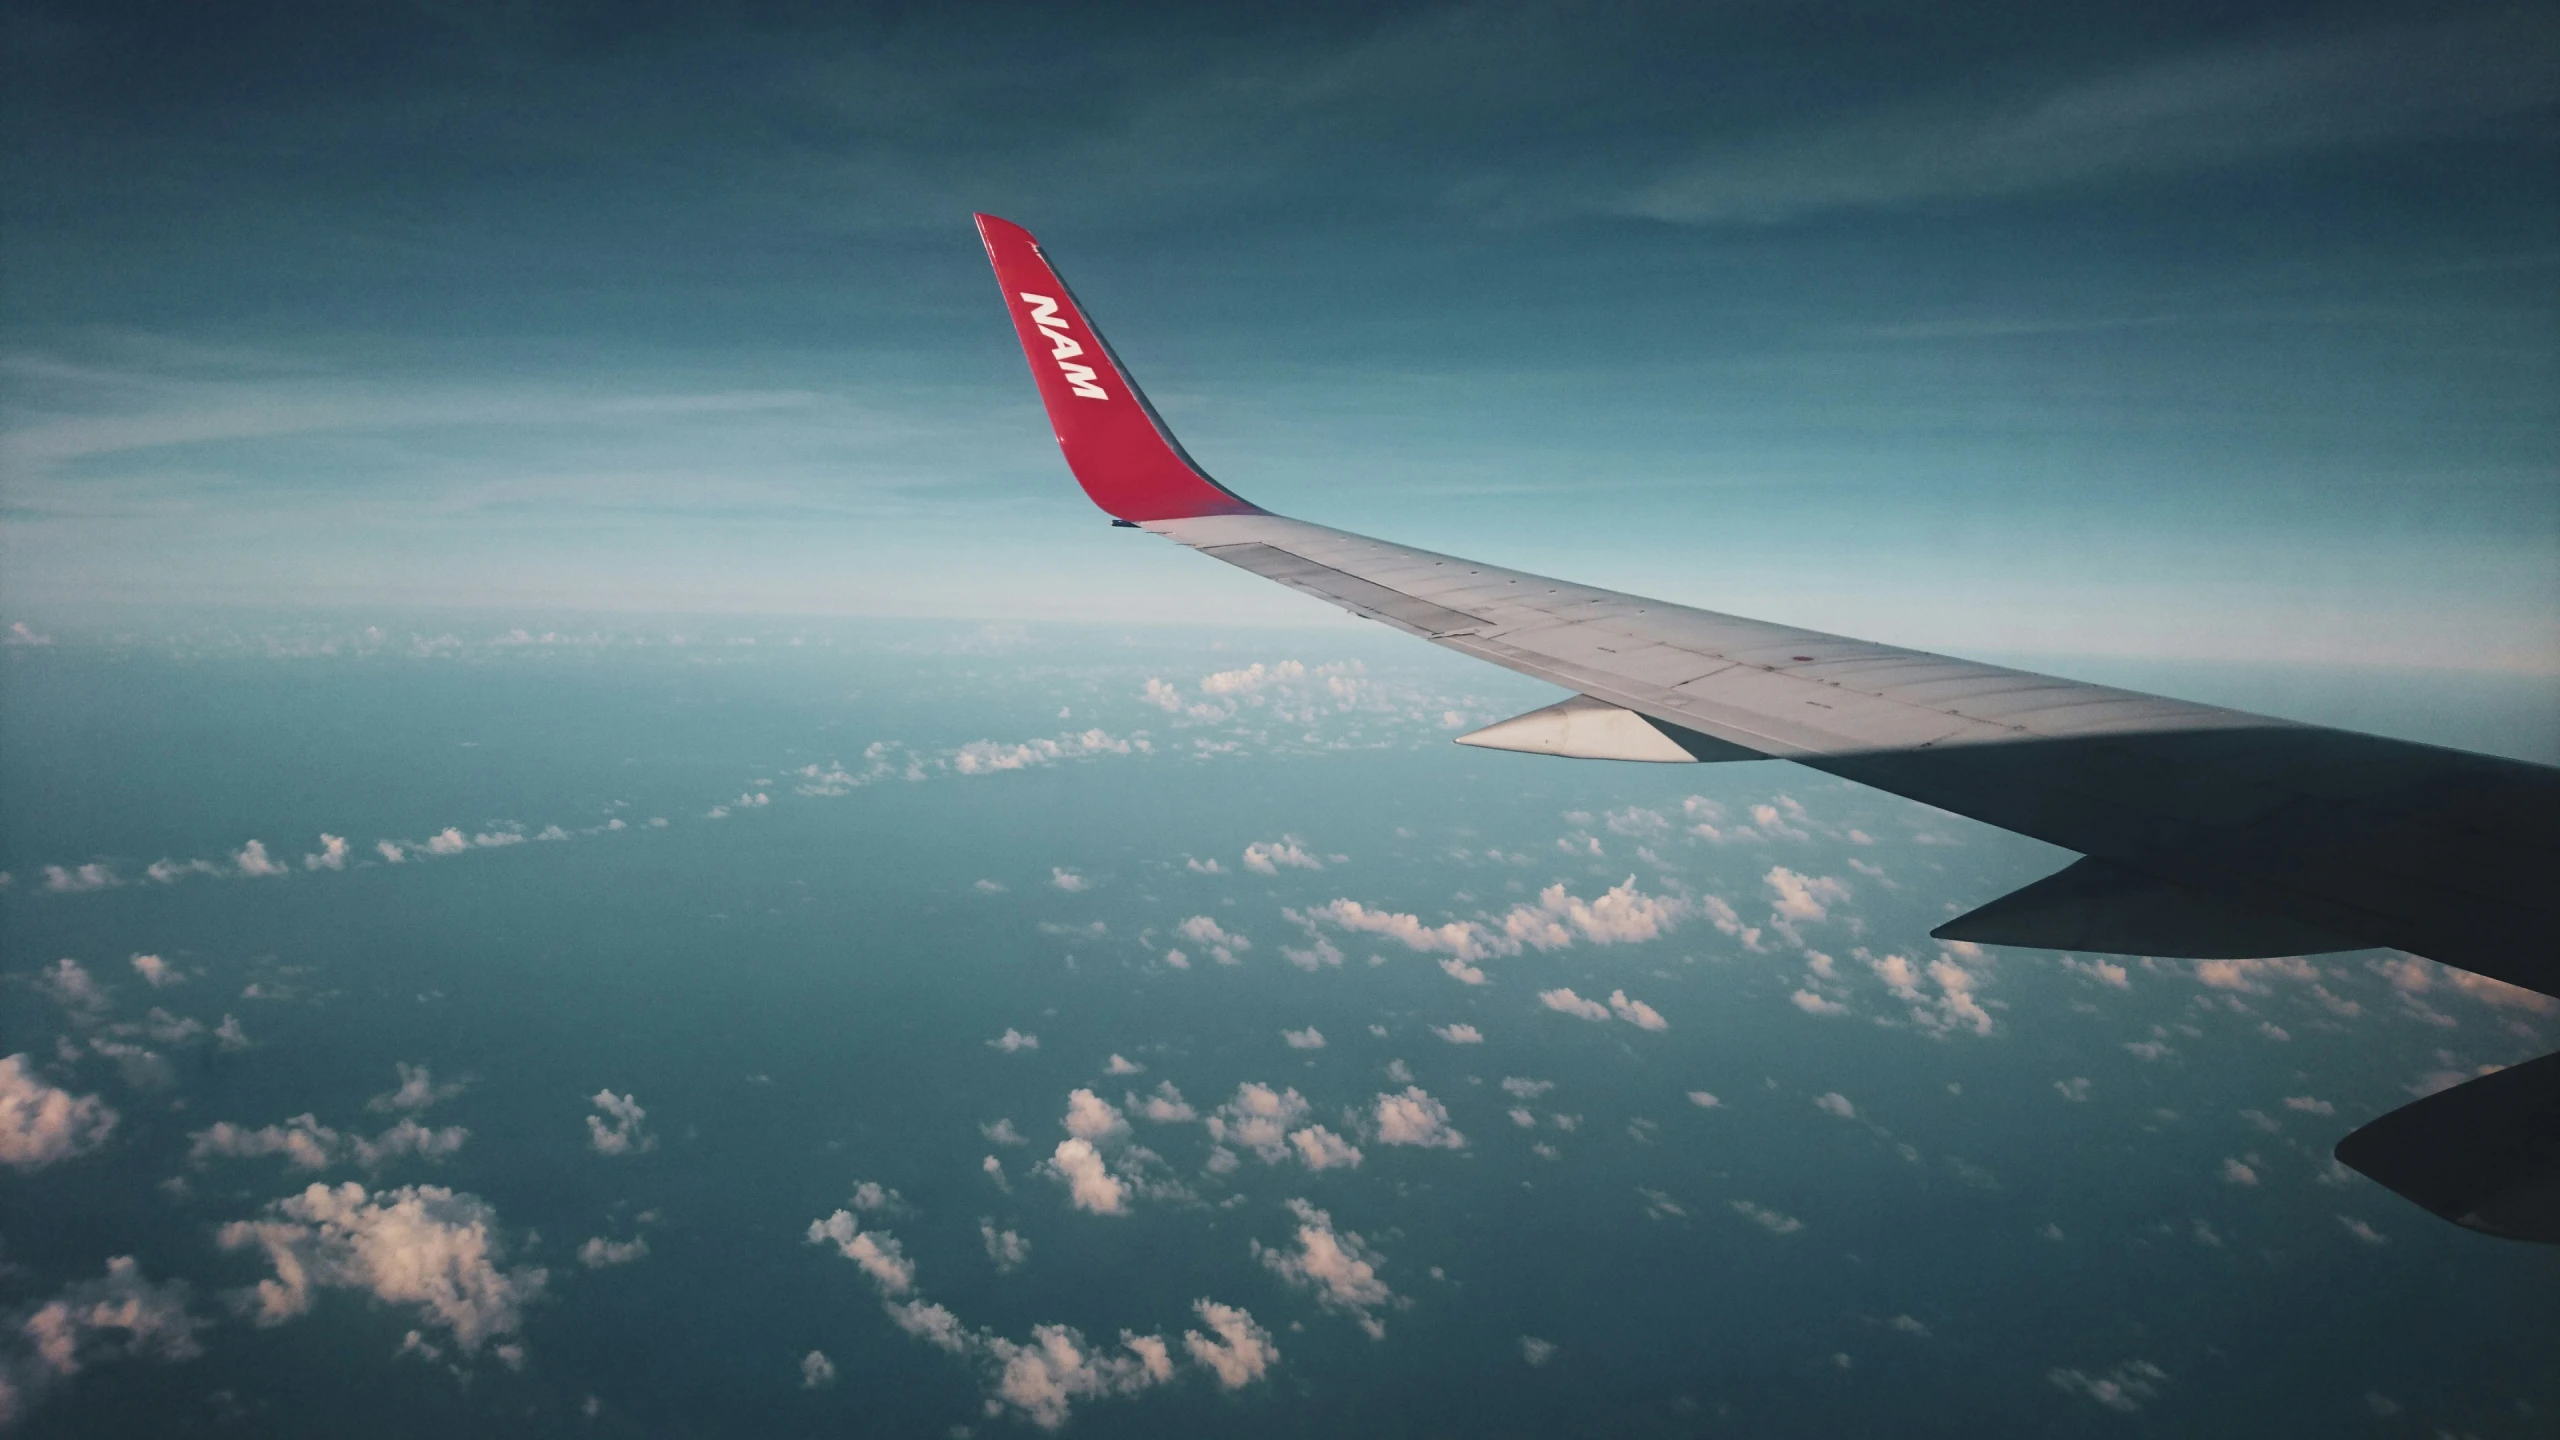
2204 833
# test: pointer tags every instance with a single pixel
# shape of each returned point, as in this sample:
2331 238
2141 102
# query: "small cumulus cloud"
41 1124
423 1247
1013 1042
1459 1034
1307 1039
1270 857
621 1129
1414 1118
1337 1266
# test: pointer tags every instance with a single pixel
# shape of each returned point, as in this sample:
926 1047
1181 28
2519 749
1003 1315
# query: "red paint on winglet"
1118 447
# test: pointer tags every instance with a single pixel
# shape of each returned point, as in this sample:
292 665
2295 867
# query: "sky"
2192 333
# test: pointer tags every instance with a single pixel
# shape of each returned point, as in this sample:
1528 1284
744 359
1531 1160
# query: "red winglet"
1116 444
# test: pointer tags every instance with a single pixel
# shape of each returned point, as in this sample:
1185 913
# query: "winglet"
1116 444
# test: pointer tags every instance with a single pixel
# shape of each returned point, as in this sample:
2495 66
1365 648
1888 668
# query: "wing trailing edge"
2093 905
2484 1154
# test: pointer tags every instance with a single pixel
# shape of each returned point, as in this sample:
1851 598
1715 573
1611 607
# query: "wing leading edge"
2208 832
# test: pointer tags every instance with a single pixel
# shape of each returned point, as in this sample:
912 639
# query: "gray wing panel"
2379 842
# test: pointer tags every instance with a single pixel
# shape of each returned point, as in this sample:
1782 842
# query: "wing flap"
2484 1154
2094 905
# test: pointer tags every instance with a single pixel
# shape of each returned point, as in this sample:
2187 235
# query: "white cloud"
306 1144
1337 1266
1223 946
1165 1106
817 1372
877 1252
120 1315
1321 1149
1013 1041
1462 972
1728 921
1536 1351
40 1124
2239 1173
1307 1039
626 1134
1836 1103
332 854
599 1252
1042 1380
2308 1104
1236 1350
157 973
2123 1389
1252 678
1566 1002
420 1245
1118 1065
252 861
1636 1012
447 841
1318 956
1090 1184
1773 1221
1259 1118
1090 1117
2498 993
1008 1250
67 983
390 851
873 1198
418 1090
1804 897
2362 1231
1623 915
1813 1004
1414 1118
1703 1100
77 878
1204 867
2075 1089
930 1323
1067 880
1459 1034
1002 1133
1460 938
1268 857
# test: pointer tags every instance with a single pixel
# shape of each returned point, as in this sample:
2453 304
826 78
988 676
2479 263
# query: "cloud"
2498 993
1337 1266
877 1252
157 973
1164 1106
420 1245
78 878
987 757
1321 1149
447 841
1252 678
332 854
1067 880
817 1372
2238 1173
306 1144
1770 1220
599 1252
2105 972
1568 1003
1462 972
1636 1012
1204 867
1308 1039
1236 1350
1090 1185
2123 1389
873 1198
1728 921
1459 1034
40 1124
1041 1380
2362 1231
1008 1250
1703 1100
1223 946
67 983
1813 1004
418 1090
1460 938
1836 1103
1090 1117
120 1315
1259 1118
1002 1133
627 1134
390 851
1117 1065
1805 898
2075 1089
2310 1105
1269 857
1414 1118
1013 1041
1623 915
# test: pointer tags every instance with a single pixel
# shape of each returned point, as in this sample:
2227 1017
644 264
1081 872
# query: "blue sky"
2206 333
